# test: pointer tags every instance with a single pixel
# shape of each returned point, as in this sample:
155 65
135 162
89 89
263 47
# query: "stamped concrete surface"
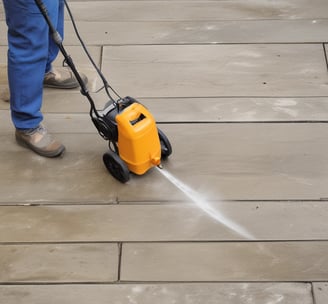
269 221
225 161
58 263
212 293
285 261
218 70
240 89
320 290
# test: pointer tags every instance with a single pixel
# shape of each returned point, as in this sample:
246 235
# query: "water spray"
205 206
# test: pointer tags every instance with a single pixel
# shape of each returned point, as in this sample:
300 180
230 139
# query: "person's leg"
60 78
57 18
28 40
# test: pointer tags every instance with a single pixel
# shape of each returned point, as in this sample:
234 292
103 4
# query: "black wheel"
166 148
116 166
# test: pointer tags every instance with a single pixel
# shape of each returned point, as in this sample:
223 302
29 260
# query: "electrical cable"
104 80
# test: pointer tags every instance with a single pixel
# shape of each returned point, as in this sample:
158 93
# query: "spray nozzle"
156 161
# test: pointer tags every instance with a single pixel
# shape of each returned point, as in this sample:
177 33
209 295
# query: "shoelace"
40 128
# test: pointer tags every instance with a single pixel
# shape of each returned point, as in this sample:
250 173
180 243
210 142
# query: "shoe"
40 141
5 95
62 78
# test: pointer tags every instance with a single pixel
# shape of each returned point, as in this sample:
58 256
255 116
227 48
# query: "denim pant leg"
58 22
28 41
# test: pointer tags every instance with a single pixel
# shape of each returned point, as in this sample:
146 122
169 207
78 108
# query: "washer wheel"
116 166
166 148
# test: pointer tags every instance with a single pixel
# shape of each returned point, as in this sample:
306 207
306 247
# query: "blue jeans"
30 54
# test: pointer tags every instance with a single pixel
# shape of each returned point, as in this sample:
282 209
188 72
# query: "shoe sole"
60 87
63 86
51 154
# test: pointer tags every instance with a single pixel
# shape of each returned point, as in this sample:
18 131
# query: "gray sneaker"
62 78
5 95
40 141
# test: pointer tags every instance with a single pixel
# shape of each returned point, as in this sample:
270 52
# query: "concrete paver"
225 161
198 32
211 293
198 10
320 292
252 261
202 109
46 263
218 70
134 222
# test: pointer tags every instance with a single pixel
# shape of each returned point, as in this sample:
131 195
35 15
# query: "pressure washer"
135 142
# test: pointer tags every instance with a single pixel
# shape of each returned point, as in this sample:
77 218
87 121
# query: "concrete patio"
241 90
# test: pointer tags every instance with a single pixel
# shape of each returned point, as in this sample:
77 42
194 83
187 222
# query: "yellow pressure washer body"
138 141
136 144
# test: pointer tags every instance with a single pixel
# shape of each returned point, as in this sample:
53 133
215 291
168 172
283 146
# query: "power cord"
104 80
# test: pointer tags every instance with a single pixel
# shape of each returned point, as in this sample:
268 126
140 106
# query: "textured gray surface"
58 263
225 161
285 261
320 291
218 70
241 90
210 293
135 222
